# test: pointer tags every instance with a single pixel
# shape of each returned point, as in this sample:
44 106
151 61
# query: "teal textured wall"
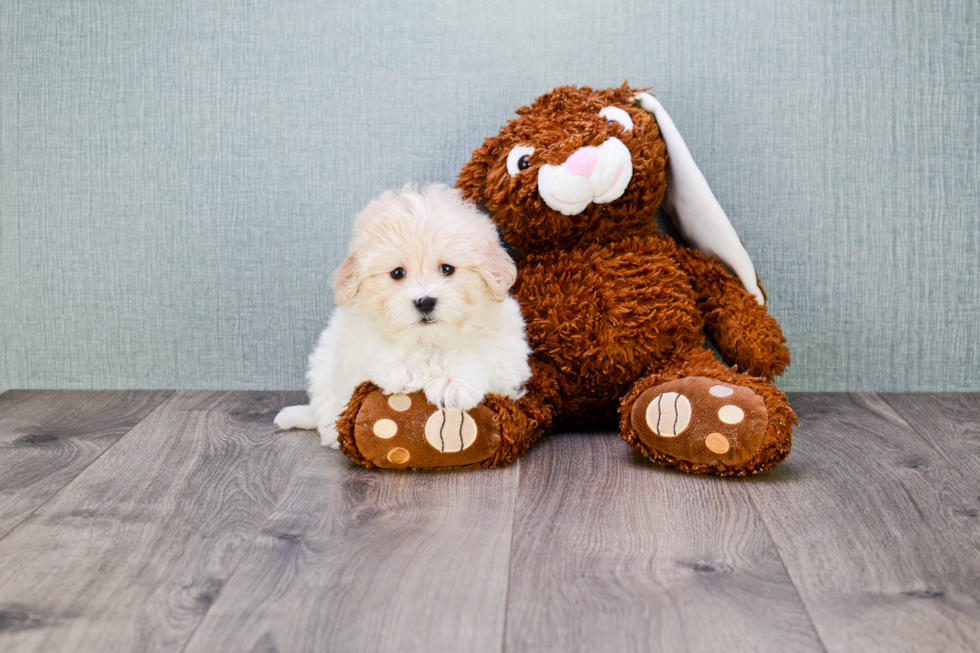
178 178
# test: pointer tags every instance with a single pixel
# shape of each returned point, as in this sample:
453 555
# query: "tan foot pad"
701 420
406 431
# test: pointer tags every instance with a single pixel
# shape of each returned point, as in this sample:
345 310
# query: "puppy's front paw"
399 378
451 392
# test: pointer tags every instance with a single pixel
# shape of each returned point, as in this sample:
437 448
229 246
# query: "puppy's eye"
617 116
519 159
398 273
447 269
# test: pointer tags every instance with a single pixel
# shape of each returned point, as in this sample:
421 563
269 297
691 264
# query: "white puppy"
422 304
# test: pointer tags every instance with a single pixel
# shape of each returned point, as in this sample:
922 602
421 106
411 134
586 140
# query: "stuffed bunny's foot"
705 425
405 431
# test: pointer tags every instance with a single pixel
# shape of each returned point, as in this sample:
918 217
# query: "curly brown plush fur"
611 302
614 307
734 320
557 124
347 420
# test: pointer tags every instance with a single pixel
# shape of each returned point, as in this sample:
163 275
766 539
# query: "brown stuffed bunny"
616 312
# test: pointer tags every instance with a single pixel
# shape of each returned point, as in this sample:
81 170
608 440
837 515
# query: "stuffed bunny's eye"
618 116
519 159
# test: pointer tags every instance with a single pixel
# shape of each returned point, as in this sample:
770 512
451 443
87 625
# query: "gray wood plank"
371 560
47 437
131 553
875 528
612 553
951 424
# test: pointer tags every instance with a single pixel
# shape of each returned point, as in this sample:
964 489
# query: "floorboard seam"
245 551
806 608
91 462
510 558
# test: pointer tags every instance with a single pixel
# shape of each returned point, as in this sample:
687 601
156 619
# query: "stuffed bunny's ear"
692 206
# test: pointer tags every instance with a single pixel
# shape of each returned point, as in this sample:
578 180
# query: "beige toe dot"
731 414
385 428
400 402
669 414
450 430
398 456
717 443
720 390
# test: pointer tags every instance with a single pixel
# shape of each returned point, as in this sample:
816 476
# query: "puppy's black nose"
425 305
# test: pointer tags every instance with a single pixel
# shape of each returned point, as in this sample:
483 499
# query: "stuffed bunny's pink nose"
582 162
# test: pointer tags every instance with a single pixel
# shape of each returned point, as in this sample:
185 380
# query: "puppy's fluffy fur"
472 341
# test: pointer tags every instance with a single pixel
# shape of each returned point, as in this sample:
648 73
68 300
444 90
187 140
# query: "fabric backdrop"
178 177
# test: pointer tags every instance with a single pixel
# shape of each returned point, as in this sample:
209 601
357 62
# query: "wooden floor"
184 521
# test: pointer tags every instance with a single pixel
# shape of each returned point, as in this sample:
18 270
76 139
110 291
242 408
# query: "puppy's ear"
346 281
498 271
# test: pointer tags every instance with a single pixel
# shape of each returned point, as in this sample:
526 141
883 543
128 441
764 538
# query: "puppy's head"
424 262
